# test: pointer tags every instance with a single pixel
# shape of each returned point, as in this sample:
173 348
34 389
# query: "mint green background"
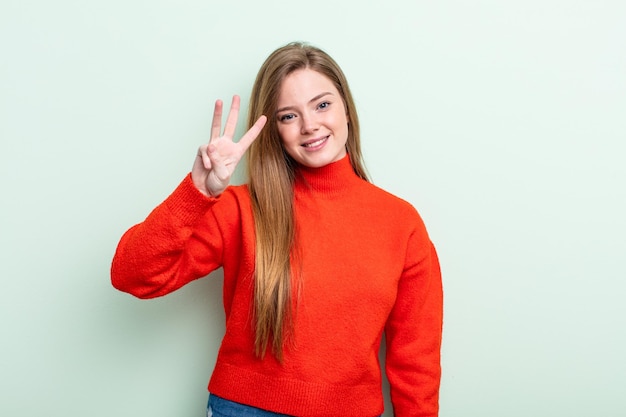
504 123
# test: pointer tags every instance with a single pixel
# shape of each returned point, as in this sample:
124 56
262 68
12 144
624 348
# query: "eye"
323 105
286 117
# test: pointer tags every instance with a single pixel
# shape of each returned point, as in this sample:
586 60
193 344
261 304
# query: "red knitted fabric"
368 265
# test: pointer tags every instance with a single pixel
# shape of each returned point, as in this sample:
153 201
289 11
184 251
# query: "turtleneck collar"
332 179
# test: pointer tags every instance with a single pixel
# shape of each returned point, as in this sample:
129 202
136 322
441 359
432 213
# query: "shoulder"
389 212
389 202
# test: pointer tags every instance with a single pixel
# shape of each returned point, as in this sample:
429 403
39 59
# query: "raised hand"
216 161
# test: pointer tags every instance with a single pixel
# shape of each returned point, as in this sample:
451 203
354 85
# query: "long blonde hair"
271 174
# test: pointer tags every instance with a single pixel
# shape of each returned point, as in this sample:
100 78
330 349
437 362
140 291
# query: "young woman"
317 261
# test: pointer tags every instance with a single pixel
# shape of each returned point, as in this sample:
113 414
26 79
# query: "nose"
309 124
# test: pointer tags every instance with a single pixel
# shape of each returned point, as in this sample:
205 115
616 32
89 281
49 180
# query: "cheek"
343 124
340 119
287 135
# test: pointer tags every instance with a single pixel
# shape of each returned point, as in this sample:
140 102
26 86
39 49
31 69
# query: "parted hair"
271 175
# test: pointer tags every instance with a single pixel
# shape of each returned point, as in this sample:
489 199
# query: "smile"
315 143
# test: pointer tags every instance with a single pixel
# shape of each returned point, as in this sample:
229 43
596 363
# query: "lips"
314 143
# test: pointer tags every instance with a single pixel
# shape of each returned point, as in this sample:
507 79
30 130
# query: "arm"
166 251
413 332
160 254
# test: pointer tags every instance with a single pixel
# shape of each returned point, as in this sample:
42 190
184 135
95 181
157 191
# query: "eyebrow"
317 97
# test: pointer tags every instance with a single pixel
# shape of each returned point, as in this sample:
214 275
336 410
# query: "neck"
332 179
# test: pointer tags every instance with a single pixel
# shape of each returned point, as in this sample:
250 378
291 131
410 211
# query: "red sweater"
368 265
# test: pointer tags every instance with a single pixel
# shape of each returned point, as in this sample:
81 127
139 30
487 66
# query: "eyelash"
325 104
322 106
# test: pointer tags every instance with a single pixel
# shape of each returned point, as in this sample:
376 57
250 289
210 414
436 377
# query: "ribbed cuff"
187 203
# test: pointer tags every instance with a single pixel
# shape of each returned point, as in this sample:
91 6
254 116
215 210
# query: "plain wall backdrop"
502 122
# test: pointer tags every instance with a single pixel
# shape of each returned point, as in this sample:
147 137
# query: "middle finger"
233 114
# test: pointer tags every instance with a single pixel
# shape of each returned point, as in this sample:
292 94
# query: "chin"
316 159
316 162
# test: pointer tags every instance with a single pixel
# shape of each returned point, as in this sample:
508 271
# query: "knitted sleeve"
413 332
164 252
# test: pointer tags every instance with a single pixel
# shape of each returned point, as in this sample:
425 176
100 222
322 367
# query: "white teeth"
313 144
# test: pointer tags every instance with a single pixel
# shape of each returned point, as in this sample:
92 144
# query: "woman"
317 261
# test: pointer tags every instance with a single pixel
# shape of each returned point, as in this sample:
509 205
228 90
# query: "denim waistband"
221 407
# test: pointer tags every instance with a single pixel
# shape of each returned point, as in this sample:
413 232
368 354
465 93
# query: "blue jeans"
220 407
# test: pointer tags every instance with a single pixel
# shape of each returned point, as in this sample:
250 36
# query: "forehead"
304 84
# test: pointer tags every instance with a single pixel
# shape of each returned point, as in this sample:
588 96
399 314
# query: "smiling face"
311 119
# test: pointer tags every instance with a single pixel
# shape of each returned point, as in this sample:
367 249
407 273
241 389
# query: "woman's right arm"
164 252
161 254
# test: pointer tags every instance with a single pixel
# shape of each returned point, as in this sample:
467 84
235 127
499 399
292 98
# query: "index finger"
249 137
